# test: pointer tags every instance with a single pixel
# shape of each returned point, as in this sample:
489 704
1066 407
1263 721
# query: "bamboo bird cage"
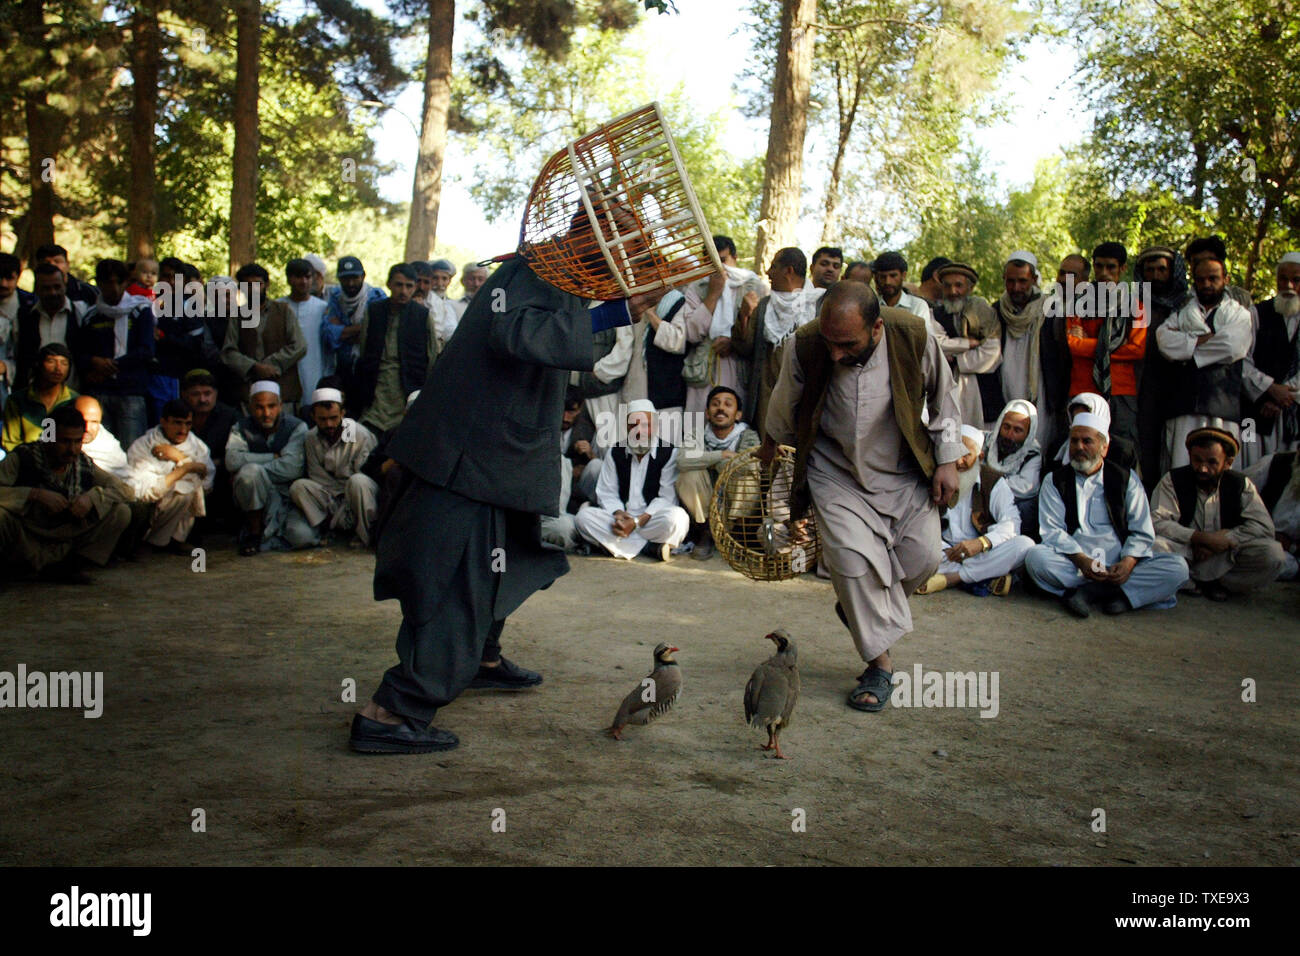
613 214
749 517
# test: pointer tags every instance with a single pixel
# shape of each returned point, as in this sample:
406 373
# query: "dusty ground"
223 692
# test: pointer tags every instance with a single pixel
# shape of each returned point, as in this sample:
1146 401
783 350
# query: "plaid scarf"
75 480
1112 335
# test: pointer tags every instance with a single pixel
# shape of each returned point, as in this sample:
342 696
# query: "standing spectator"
12 299
52 318
76 290
114 352
268 346
398 345
309 312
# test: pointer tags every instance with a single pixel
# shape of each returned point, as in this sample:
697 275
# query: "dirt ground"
222 692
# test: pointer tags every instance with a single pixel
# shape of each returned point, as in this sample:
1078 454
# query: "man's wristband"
988 545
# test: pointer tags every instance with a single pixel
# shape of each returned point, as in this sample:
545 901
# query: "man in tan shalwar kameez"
58 510
849 398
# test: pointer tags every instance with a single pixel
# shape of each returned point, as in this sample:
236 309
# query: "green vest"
907 336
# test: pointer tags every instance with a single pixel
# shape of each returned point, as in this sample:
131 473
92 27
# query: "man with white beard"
982 544
1205 342
1277 477
1013 452
725 298
636 508
1272 370
445 312
1097 533
967 330
759 338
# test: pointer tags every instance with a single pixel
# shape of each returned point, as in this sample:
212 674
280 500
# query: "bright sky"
707 52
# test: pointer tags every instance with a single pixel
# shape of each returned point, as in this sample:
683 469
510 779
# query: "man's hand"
79 507
1119 572
1281 395
727 454
583 447
1075 331
944 484
1204 337
264 371
1215 542
974 342
964 549
747 306
167 452
350 333
624 524
643 301
722 346
717 282
101 369
51 501
1269 410
1089 567
766 451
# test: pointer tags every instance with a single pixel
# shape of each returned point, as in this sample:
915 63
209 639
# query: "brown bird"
653 696
773 690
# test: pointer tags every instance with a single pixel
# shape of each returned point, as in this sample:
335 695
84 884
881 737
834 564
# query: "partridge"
652 696
773 690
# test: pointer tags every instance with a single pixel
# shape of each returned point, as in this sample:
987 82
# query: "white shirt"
310 314
106 452
149 474
1002 508
607 486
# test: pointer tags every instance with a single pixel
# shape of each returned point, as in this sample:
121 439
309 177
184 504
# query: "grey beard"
1287 304
1084 466
955 306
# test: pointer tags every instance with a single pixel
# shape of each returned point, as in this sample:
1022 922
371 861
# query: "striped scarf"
1112 335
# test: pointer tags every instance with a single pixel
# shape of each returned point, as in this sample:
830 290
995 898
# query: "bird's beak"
773 638
673 650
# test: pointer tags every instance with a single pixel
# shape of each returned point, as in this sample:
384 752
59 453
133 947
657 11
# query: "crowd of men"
1120 433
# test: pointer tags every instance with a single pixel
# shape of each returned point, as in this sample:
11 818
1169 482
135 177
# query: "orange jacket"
1123 361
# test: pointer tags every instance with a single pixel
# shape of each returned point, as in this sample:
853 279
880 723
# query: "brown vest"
906 335
981 494
275 336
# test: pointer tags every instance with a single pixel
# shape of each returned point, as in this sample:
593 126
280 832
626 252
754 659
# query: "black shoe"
507 675
1117 605
1214 590
704 550
71 570
662 552
408 737
1076 603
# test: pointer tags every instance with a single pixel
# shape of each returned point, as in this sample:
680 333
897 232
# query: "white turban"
327 395
1020 255
264 386
641 405
974 434
1291 258
1095 422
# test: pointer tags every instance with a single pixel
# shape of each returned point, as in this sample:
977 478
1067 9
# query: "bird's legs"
770 741
776 744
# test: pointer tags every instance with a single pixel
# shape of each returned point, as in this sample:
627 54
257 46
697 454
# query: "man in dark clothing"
467 550
397 346
213 421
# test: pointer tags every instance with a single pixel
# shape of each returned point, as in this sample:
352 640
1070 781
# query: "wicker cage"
749 517
613 214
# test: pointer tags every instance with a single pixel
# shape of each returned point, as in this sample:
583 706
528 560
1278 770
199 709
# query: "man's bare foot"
373 711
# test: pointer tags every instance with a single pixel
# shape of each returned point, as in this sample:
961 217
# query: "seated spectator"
636 508
1121 451
114 351
265 457
577 438
270 348
1097 533
336 496
1214 517
1277 477
57 510
172 469
51 318
387 474
27 410
398 345
1012 451
982 544
702 455
100 445
560 531
12 299
213 421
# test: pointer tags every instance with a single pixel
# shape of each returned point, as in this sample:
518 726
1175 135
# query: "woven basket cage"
749 516
613 214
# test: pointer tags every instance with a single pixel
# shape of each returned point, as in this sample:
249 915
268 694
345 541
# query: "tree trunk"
783 170
44 127
243 186
848 114
426 193
144 117
1261 230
